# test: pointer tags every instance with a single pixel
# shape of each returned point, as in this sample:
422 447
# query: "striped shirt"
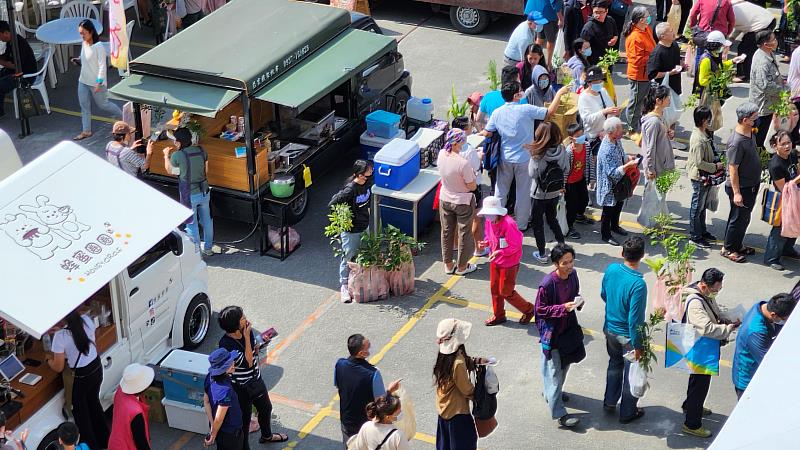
242 372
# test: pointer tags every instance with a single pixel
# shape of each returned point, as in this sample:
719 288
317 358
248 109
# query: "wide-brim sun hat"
136 378
452 334
718 37
492 207
221 360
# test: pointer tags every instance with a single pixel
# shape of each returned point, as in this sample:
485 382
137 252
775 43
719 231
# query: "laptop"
11 367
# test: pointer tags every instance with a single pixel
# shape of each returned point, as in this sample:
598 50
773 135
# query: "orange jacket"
638 46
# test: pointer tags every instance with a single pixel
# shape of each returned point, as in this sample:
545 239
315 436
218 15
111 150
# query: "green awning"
328 67
156 91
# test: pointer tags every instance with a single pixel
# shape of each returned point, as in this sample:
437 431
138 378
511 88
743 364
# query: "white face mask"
491 217
399 417
780 322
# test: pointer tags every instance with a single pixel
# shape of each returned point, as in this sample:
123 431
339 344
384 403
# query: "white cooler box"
371 144
185 416
396 164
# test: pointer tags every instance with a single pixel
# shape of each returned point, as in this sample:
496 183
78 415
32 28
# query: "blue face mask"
539 28
544 84
597 86
580 140
649 20
587 52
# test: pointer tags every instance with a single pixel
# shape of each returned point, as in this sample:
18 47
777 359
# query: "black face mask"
370 180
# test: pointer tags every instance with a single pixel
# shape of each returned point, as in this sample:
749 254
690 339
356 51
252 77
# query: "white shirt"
751 17
471 155
371 434
93 64
591 108
63 343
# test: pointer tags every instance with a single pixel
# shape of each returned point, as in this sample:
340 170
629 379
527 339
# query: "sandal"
280 438
82 136
747 251
494 320
733 256
450 271
469 269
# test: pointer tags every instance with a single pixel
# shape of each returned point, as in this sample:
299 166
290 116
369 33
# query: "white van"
77 232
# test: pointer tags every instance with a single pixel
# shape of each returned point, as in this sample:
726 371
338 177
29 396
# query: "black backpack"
491 151
484 404
551 179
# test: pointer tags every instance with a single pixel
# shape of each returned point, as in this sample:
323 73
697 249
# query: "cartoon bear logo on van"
37 238
61 219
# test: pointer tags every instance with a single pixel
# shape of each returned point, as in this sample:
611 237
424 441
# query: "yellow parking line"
78 114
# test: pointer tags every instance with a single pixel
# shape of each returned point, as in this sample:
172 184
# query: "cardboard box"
153 396
566 114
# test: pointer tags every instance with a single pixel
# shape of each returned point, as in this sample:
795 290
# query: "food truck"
473 16
278 102
106 246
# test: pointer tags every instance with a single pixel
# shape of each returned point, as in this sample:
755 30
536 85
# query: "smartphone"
269 334
32 362
639 159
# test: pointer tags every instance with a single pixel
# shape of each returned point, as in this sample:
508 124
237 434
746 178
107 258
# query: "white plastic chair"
38 82
80 8
39 50
43 6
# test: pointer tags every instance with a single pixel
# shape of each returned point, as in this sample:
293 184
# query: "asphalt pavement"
299 297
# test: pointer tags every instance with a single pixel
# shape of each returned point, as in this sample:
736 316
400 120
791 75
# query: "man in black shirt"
600 31
666 58
8 70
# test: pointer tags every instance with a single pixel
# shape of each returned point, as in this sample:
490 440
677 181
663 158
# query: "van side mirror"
175 244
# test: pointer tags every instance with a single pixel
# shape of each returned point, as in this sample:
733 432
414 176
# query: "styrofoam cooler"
396 164
186 417
383 123
183 374
371 144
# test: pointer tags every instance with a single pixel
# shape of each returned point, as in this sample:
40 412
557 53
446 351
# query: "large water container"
420 109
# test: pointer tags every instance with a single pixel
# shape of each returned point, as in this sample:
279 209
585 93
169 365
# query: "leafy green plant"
195 127
371 252
456 109
400 248
646 332
667 180
608 60
783 107
491 75
692 101
791 13
340 220
719 83
676 264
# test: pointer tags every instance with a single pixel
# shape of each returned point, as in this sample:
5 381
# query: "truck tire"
196 322
469 20
50 442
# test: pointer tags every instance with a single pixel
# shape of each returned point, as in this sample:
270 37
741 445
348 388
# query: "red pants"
502 281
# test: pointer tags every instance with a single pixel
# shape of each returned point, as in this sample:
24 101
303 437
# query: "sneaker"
542 259
586 220
620 231
611 241
208 252
568 421
777 267
345 295
701 243
572 234
469 269
699 432
485 252
709 237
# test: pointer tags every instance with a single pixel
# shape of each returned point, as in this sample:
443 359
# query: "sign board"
69 223
9 159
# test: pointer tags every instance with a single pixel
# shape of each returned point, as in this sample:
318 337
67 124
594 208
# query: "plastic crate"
383 124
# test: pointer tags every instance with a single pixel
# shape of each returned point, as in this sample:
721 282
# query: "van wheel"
469 20
50 442
196 322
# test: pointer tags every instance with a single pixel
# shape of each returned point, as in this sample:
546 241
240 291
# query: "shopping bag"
609 85
668 295
637 377
407 422
652 205
29 104
560 48
771 206
367 284
790 215
716 109
688 60
672 113
674 17
401 281
712 199
561 215
690 352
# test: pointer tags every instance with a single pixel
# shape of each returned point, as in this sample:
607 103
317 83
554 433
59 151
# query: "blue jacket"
548 8
756 335
625 294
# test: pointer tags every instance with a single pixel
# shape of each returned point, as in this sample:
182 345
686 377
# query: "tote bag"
771 206
790 211
690 352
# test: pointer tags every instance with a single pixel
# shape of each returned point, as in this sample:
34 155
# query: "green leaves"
782 107
676 264
389 249
667 180
492 77
608 59
456 109
646 331
340 220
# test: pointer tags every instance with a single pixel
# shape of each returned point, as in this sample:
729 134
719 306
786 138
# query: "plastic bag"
672 113
609 85
367 284
560 48
180 8
652 205
275 239
561 215
688 60
790 211
669 297
637 377
712 199
407 423
674 17
401 281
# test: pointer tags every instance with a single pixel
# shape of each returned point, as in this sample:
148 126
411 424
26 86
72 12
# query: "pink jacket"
507 228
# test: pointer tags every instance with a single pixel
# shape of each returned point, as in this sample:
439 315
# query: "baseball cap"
537 17
594 73
475 98
718 37
121 127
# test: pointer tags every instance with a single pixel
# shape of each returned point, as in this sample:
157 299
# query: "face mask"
597 87
587 52
580 140
712 295
649 20
491 218
539 28
780 322
544 84
370 180
399 417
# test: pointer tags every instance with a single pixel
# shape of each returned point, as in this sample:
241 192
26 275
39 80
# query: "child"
68 437
580 174
504 240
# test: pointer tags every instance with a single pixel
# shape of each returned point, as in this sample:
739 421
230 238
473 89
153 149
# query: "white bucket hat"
718 37
492 207
136 378
451 334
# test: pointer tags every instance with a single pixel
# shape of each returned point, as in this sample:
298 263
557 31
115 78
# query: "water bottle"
420 109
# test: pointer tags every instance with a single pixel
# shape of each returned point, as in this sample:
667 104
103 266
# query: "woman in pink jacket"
504 240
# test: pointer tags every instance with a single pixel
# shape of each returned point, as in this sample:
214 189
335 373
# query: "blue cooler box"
183 374
396 164
371 144
383 124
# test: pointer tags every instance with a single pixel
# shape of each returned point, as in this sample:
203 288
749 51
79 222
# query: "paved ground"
299 296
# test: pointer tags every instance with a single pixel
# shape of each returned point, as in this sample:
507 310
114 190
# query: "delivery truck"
105 245
473 16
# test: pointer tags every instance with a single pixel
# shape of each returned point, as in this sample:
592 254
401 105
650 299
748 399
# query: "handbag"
700 35
255 387
771 206
484 404
29 105
688 351
622 189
